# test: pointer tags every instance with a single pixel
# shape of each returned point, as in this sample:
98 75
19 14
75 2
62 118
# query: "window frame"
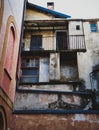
57 48
36 45
93 26
30 68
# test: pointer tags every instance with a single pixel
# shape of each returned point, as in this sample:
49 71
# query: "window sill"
50 83
85 93
49 111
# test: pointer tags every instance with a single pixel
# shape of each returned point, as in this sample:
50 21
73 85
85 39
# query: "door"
36 42
61 40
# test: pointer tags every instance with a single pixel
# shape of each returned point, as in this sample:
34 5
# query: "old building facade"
49 73
10 30
58 84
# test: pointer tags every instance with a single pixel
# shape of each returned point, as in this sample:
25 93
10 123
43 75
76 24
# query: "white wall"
90 58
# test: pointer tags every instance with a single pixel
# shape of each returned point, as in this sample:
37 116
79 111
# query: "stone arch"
10 22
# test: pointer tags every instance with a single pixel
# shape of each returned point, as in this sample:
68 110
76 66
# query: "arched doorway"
2 119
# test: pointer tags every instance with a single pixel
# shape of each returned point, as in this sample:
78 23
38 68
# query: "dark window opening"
61 40
77 27
68 67
36 42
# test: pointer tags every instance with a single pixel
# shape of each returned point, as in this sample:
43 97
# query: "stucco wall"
11 17
11 12
89 59
86 60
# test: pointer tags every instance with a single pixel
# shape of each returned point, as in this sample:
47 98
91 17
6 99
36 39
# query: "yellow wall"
35 15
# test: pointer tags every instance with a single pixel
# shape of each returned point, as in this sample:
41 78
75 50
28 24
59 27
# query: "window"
77 27
36 42
30 70
93 26
61 40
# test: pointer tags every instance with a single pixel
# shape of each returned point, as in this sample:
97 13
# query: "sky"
74 8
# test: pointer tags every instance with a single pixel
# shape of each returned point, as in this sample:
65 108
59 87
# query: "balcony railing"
76 42
50 43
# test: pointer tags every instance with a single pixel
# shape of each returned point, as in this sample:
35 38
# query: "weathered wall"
48 40
72 27
89 59
36 15
55 122
48 101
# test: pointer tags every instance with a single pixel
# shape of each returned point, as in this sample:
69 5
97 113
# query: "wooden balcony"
77 42
71 43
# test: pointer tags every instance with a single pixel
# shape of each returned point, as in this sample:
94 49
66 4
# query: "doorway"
2 119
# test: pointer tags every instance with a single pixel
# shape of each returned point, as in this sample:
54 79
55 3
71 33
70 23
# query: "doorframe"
56 35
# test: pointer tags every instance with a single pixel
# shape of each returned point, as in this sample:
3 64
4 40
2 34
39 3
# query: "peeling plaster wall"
45 101
87 60
90 58
54 66
44 70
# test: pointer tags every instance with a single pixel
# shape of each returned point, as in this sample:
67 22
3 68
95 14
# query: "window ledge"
48 111
54 92
50 83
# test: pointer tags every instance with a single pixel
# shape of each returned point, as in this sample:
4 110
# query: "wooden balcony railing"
69 43
76 42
